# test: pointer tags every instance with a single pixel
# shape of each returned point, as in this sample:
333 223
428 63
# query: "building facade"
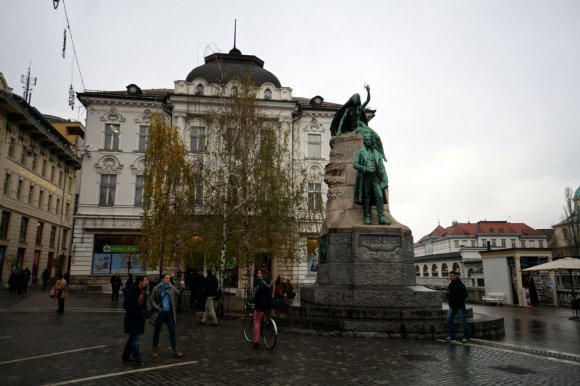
38 188
458 248
109 209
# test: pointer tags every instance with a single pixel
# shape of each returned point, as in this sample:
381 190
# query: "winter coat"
155 299
135 313
263 295
61 288
211 285
457 294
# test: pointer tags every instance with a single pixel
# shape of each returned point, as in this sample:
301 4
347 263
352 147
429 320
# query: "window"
425 271
541 243
199 89
49 205
23 229
60 178
138 190
473 243
52 173
7 183
43 171
456 242
64 236
11 147
197 143
112 131
30 194
23 156
457 268
41 199
19 189
143 134
268 94
108 186
198 191
417 271
34 162
70 184
314 145
67 213
39 230
513 243
483 242
52 235
493 242
503 243
4 225
435 270
58 205
523 243
444 270
314 195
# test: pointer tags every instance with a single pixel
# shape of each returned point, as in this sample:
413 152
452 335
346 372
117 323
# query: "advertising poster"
102 263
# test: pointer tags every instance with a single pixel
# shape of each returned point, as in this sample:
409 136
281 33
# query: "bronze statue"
351 118
371 180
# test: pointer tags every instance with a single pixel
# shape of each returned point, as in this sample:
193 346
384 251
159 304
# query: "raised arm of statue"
368 88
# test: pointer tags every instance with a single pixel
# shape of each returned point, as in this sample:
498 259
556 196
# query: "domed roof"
222 68
577 194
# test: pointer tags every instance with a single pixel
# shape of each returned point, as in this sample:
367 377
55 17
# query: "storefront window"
116 253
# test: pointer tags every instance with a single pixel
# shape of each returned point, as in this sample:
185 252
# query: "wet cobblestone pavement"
84 346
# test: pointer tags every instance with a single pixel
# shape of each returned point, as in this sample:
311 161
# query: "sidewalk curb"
528 350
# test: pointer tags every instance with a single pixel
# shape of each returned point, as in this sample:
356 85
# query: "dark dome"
222 68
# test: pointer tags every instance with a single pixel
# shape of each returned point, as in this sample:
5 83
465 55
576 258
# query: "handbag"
153 317
52 293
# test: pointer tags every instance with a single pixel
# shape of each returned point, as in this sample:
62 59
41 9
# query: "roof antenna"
235 51
235 30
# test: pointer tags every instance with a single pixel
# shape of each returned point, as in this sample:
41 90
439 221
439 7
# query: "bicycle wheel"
270 333
248 326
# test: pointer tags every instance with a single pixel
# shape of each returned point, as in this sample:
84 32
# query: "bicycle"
269 330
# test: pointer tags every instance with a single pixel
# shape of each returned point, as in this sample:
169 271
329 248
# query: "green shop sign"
120 248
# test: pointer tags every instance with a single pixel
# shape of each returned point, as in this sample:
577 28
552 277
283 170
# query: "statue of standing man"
371 180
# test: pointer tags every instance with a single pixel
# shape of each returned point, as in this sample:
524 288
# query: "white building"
108 214
458 247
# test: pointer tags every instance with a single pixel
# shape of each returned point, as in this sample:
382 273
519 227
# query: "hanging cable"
73 45
64 45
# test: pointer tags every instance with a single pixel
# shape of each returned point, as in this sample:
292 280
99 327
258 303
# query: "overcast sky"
478 102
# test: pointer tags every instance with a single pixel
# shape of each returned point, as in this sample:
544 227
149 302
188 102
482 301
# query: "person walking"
44 277
163 301
129 281
61 288
211 291
135 305
116 284
457 296
262 301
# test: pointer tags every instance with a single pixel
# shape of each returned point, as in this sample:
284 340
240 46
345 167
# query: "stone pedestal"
366 274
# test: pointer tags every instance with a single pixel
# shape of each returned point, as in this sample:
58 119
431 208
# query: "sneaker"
449 339
465 340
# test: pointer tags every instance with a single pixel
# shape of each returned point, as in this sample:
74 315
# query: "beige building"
38 168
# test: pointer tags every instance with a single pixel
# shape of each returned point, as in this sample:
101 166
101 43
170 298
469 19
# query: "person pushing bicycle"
262 301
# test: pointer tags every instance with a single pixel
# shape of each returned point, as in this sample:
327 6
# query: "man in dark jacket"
135 305
457 296
116 285
211 291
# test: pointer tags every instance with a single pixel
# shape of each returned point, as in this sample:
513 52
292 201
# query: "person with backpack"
262 301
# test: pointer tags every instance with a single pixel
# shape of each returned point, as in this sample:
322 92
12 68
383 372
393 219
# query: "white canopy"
567 263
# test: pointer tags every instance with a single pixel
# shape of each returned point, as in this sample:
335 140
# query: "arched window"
435 270
417 271
199 89
268 94
425 271
444 270
457 268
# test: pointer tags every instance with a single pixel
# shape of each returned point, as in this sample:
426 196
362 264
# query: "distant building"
38 166
458 247
109 211
566 239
